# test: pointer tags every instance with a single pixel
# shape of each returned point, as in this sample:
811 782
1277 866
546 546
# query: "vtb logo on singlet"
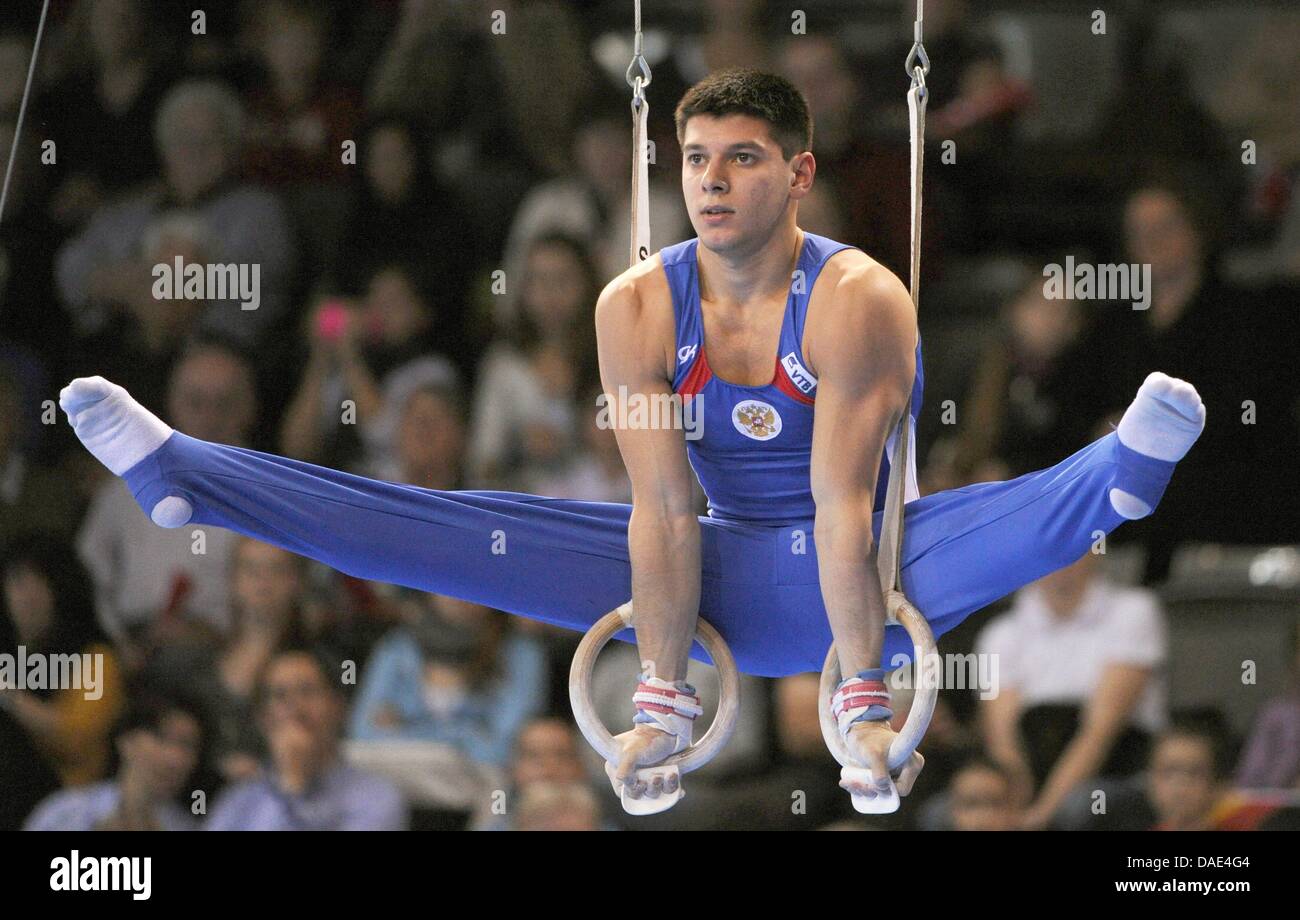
756 419
799 375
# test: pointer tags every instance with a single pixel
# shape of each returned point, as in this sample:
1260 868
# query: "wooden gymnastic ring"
700 752
900 610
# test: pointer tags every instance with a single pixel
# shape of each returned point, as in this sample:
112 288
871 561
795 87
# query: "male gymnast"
802 353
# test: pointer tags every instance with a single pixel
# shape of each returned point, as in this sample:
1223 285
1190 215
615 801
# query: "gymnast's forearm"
855 605
665 554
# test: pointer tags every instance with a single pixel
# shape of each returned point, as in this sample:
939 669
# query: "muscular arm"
635 343
861 344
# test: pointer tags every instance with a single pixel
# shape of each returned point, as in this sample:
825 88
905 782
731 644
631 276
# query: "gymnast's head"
746 139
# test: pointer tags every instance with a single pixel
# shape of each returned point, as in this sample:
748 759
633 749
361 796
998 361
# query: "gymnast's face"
737 184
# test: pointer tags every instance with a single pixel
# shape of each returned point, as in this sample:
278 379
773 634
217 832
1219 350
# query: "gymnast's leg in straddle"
566 562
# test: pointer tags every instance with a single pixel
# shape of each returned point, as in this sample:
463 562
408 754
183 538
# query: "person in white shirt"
1081 658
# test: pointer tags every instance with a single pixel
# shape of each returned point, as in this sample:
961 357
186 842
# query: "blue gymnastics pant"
566 562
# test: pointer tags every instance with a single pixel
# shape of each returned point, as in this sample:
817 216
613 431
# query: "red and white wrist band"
864 698
670 707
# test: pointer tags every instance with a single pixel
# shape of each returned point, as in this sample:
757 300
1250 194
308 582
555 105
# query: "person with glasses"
306 785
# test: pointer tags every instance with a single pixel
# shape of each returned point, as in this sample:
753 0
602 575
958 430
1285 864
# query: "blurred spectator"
138 347
1257 101
524 405
101 114
421 67
159 743
974 102
546 51
428 445
49 609
545 751
592 203
356 350
982 798
149 578
198 132
268 600
300 117
557 807
453 673
1271 759
593 470
307 786
26 776
298 122
1080 686
32 497
868 173
733 36
1188 779
1165 123
1035 396
1185 784
954 34
499 123
404 214
1227 340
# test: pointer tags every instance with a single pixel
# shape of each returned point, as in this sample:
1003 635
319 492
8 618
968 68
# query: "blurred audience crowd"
434 208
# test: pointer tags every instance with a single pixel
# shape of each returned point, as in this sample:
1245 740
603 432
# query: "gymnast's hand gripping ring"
700 752
925 653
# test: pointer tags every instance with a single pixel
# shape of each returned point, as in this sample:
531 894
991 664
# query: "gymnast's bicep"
634 342
863 346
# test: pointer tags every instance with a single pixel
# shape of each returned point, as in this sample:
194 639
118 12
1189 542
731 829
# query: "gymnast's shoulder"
858 301
639 297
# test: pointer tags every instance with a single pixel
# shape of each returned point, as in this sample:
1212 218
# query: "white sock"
1163 421
114 427
120 433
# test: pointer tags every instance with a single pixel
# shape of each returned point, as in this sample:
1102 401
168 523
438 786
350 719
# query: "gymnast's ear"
802 170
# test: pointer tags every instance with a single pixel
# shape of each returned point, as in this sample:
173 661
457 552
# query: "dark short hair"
1208 725
322 659
772 98
147 709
